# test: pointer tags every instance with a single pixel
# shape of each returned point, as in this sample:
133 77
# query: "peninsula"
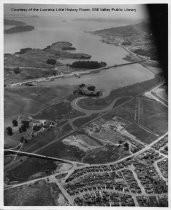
17 26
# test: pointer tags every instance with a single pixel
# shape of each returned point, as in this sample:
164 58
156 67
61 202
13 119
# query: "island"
18 27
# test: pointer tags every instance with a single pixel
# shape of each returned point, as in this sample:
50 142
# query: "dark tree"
15 123
36 128
91 88
9 131
87 64
23 140
126 146
20 130
51 61
17 70
23 128
82 85
25 123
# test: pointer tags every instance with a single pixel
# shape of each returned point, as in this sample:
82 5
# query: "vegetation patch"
42 139
37 194
87 64
108 153
32 99
31 168
81 121
154 115
60 111
141 134
127 111
121 101
65 129
60 150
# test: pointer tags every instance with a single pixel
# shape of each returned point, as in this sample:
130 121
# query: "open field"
109 135
31 168
106 154
8 159
127 111
141 134
42 94
79 122
65 129
154 115
39 193
10 141
41 140
60 111
60 150
89 140
121 101
31 99
83 142
26 74
15 104
31 58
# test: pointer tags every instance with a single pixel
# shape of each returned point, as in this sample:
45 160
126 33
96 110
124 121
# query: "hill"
137 38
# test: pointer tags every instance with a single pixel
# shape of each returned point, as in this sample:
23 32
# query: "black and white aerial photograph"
85 105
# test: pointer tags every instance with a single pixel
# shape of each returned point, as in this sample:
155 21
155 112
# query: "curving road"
75 105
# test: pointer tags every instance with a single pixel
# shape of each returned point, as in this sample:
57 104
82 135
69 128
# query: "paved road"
41 156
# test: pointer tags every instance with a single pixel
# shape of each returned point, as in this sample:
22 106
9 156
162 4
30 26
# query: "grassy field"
41 140
65 129
83 120
154 115
31 99
37 194
121 101
32 166
126 111
60 150
89 140
108 153
132 90
60 111
14 104
82 142
26 74
8 159
140 133
107 135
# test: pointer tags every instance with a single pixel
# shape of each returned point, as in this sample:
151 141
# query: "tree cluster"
51 61
87 64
